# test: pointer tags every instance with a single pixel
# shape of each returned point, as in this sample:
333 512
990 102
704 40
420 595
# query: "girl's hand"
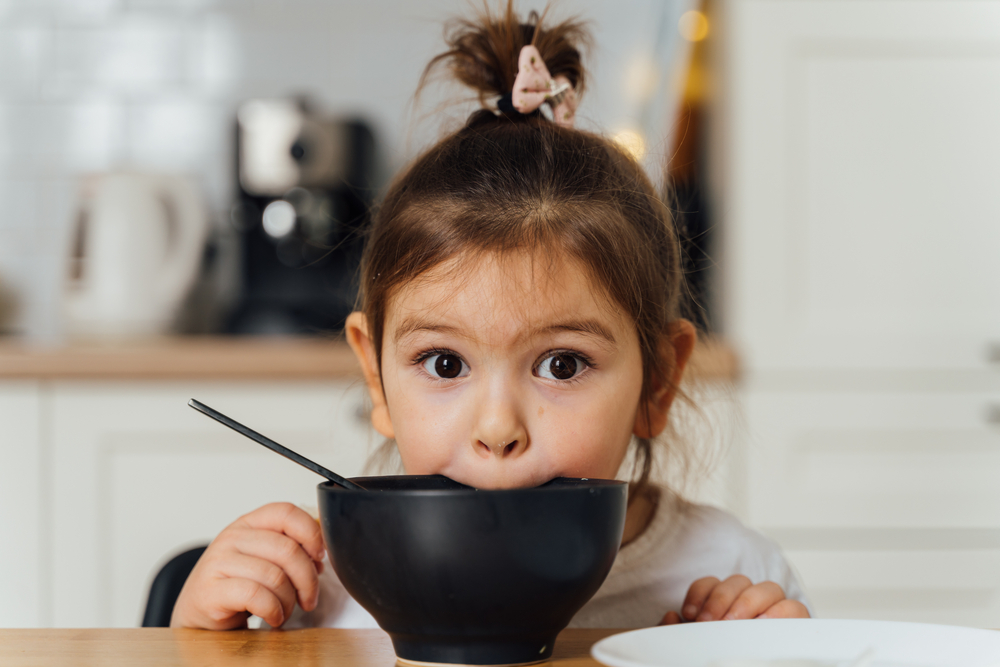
735 598
260 564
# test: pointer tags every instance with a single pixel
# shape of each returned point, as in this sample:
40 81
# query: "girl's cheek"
429 426
593 445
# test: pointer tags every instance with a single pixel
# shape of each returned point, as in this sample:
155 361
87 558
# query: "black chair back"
167 586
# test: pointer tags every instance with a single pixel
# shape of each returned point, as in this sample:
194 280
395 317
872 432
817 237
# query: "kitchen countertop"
163 647
225 358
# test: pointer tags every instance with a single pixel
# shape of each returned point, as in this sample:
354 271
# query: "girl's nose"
499 432
501 449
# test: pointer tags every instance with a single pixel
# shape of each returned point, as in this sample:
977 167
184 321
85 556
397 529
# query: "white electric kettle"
137 248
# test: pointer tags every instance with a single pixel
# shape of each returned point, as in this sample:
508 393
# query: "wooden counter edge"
222 358
184 358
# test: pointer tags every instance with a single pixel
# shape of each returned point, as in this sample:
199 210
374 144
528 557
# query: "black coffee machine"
305 186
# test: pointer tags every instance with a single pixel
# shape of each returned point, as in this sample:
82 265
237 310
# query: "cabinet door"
138 476
860 157
886 502
873 460
23 550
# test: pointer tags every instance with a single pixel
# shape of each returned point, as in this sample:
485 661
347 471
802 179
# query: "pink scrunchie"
534 86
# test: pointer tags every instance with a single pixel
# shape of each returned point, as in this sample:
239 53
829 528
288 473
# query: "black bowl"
456 575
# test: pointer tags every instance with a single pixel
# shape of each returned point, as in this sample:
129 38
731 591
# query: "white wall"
94 85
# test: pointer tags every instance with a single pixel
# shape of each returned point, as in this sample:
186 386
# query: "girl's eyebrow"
588 327
412 325
591 328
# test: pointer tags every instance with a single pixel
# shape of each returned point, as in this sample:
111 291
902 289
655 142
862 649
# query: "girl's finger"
722 597
288 519
696 596
284 552
233 596
265 573
755 600
672 618
786 609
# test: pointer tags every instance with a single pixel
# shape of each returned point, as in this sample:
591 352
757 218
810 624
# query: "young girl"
519 321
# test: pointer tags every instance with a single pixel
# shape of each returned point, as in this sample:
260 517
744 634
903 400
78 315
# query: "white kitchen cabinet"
136 475
855 154
869 460
139 475
886 502
23 472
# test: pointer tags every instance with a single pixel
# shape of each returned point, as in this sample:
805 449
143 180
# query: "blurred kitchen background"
181 187
246 103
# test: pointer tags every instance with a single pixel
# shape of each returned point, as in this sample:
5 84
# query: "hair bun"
483 53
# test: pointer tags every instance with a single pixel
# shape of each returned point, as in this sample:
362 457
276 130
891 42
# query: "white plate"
805 642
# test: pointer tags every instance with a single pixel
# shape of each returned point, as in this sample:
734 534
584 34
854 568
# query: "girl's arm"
735 598
260 564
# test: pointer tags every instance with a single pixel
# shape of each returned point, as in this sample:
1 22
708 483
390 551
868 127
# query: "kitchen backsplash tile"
83 11
135 55
96 141
20 208
174 134
22 53
33 138
13 12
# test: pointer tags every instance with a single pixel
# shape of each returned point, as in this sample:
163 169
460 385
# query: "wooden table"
161 647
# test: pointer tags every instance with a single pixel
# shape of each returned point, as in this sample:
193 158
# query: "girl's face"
506 373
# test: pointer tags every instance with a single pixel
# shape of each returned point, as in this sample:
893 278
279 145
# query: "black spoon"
274 447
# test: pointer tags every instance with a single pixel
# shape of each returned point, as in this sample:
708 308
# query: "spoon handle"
273 446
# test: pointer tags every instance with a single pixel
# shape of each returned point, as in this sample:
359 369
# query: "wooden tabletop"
243 358
162 647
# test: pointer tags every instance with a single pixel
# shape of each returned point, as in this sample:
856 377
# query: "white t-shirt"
651 575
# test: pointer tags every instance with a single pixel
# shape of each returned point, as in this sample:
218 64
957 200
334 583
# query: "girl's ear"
675 350
356 330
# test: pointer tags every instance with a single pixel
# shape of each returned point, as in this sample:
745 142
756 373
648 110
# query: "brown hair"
506 183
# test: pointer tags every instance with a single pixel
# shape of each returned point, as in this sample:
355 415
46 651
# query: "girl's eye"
446 366
560 366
